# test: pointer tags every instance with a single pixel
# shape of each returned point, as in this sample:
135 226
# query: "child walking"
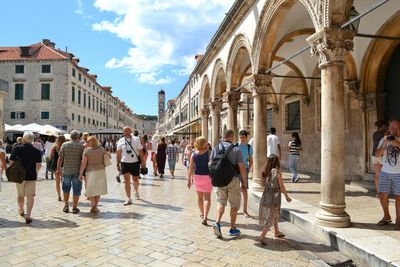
270 205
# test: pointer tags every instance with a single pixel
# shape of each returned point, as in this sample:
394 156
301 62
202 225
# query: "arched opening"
391 108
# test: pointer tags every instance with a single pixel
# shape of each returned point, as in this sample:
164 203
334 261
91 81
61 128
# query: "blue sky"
135 46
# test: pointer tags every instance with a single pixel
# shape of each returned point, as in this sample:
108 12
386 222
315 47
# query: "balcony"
3 86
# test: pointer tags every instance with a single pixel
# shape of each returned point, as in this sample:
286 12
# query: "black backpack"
221 169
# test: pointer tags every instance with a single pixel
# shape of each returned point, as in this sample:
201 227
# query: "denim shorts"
171 164
72 180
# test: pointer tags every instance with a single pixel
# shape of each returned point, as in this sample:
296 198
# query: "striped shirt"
172 152
294 148
72 153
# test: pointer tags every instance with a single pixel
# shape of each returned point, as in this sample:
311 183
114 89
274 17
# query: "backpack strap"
248 148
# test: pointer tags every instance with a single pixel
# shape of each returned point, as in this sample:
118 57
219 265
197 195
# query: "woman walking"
199 174
3 165
145 144
96 179
270 204
161 156
152 146
294 155
54 155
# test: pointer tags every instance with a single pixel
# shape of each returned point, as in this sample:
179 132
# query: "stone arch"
271 16
376 59
205 92
218 84
240 48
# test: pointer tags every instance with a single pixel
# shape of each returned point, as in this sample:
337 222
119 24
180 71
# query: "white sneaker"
128 202
137 195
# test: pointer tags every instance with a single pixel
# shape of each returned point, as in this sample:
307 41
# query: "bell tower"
161 103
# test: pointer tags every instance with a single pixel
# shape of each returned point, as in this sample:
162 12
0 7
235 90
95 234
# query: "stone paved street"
162 229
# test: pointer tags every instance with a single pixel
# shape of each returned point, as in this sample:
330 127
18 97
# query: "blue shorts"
72 180
171 164
388 181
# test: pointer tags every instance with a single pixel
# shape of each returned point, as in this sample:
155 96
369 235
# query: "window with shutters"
45 115
45 93
19 69
46 68
18 115
19 91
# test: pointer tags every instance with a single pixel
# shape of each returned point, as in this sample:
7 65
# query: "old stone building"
48 86
304 66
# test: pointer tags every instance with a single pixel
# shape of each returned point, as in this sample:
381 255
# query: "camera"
390 138
129 151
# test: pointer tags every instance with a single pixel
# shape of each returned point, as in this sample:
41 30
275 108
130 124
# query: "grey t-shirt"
72 153
235 156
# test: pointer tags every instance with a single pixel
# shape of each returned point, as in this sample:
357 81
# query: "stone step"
367 247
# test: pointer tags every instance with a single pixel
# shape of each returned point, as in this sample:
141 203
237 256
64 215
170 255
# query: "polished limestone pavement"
161 229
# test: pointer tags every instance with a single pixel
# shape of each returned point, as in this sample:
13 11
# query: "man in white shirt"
129 160
389 179
273 144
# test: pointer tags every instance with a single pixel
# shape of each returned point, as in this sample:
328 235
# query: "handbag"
106 160
16 172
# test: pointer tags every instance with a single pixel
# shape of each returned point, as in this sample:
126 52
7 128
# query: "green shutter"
45 91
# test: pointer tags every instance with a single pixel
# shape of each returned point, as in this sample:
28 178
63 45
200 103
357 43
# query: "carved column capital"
259 83
331 45
215 106
232 98
205 112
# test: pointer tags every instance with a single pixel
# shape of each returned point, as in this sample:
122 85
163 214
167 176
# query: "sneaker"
217 230
297 179
118 179
128 202
137 196
234 232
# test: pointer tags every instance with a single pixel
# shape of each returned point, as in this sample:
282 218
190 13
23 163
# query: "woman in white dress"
95 172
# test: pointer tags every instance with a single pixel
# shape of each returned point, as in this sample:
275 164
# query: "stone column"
205 113
259 85
331 46
215 108
232 99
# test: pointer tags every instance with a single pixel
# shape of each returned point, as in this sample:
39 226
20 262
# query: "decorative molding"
232 98
205 112
259 83
215 106
331 45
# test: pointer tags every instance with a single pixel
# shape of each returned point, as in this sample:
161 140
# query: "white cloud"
165 34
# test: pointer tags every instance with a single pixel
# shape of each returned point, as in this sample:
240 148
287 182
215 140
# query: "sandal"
246 215
66 209
263 242
280 235
204 222
75 211
384 222
28 220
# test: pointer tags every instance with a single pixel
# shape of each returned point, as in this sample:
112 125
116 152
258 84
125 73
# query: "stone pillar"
205 113
259 85
215 108
331 46
232 99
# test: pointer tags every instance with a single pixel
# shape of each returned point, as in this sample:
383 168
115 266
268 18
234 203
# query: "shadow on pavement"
159 206
112 215
37 223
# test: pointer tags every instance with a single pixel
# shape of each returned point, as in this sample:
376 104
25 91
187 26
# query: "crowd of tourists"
81 164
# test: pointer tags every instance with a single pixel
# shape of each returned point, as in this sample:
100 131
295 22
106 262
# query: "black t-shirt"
29 156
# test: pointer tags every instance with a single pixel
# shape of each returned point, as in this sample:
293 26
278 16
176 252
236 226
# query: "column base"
332 215
256 186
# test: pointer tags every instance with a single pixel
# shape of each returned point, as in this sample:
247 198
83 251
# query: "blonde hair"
59 141
200 142
92 141
85 136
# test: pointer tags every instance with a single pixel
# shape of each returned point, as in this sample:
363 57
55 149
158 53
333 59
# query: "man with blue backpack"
226 168
247 153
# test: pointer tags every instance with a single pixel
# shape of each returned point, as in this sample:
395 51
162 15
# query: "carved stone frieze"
205 112
259 83
331 45
216 106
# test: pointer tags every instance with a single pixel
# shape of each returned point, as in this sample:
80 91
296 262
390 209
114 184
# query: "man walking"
231 192
389 150
273 144
48 146
247 153
31 160
70 157
129 155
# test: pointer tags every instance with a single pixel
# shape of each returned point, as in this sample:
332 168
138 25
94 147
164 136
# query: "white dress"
1 163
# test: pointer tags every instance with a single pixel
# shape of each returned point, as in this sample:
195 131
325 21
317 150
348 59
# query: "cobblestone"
162 229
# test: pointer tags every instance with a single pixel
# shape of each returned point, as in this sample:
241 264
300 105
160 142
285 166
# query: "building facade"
303 66
48 86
